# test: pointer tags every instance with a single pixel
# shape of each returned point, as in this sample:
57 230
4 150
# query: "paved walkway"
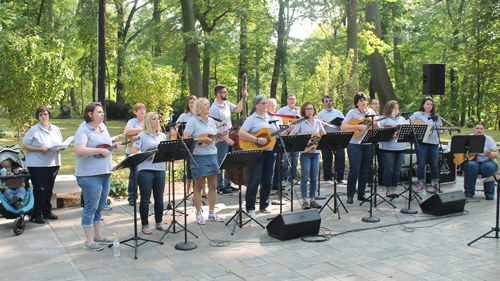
399 247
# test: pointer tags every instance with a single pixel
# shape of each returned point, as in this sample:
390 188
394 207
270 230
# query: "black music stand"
467 144
169 151
335 141
132 161
412 133
280 147
238 160
496 228
296 143
379 135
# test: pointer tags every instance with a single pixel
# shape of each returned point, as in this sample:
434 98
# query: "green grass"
68 128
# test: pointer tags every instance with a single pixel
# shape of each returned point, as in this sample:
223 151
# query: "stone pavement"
399 247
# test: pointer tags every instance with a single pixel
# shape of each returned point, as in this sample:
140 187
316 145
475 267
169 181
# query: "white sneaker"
328 182
252 214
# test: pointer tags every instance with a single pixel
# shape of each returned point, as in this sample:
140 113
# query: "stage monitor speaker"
444 203
294 225
433 79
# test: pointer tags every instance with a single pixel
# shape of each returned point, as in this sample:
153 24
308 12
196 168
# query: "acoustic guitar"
313 141
266 134
113 147
453 129
211 136
460 158
368 122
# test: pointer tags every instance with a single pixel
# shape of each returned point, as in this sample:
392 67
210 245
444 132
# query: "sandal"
161 227
147 231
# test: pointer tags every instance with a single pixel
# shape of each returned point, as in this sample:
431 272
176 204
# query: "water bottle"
3 172
424 194
116 247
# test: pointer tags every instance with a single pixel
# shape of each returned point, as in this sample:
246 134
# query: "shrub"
118 110
6 133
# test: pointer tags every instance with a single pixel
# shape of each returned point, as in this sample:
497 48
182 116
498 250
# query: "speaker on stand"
433 79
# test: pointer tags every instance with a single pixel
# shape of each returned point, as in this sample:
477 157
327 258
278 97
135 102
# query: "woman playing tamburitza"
151 176
393 152
309 161
205 157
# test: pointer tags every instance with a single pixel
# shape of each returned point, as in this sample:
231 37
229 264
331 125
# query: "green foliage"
32 73
118 110
150 84
119 180
6 133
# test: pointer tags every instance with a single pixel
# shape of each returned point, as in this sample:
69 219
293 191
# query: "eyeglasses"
263 103
309 108
375 103
225 92
327 101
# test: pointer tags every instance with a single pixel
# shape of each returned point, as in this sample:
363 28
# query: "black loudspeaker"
447 169
294 225
433 79
444 203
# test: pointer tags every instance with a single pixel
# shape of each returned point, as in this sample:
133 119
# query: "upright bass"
233 174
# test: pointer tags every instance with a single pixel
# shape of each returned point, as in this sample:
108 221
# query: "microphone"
434 117
273 121
370 115
406 113
170 125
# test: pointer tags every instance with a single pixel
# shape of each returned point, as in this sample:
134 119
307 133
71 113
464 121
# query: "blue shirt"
308 128
133 124
196 127
147 142
393 144
184 117
223 112
288 111
329 115
38 137
356 114
90 137
490 144
420 115
254 123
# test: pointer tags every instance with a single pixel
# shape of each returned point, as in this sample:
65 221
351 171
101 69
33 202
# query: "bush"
118 110
6 133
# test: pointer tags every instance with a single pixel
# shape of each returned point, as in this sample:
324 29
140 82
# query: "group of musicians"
201 118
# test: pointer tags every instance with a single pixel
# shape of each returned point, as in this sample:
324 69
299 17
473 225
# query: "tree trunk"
51 14
379 75
243 51
279 51
157 28
399 72
352 41
205 82
72 95
192 54
39 17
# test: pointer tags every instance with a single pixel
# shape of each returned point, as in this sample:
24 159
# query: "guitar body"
460 158
112 147
314 142
287 120
365 121
263 133
130 138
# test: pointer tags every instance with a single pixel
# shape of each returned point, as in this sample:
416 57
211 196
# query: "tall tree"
191 44
352 41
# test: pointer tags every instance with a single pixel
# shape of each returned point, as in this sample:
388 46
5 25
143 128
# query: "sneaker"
314 204
107 207
265 211
18 205
14 199
200 220
225 191
419 188
306 206
328 181
252 214
94 247
437 188
50 216
215 217
103 241
341 182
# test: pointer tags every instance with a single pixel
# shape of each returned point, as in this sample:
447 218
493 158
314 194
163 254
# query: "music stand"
496 228
467 144
169 151
337 121
335 141
412 133
296 143
280 147
131 162
238 160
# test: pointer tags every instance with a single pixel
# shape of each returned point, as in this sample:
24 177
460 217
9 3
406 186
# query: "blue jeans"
360 158
295 162
222 149
486 169
155 181
393 164
309 163
95 190
276 178
427 153
328 164
261 172
9 193
131 187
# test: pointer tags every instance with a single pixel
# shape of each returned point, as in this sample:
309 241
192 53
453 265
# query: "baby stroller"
13 153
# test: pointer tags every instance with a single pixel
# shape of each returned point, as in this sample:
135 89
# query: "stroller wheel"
19 226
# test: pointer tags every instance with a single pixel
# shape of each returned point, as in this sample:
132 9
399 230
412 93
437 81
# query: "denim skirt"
207 165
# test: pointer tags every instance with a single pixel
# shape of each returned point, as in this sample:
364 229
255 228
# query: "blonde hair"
146 128
197 104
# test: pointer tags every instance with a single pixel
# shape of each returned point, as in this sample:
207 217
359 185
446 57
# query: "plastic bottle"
3 172
424 194
116 247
